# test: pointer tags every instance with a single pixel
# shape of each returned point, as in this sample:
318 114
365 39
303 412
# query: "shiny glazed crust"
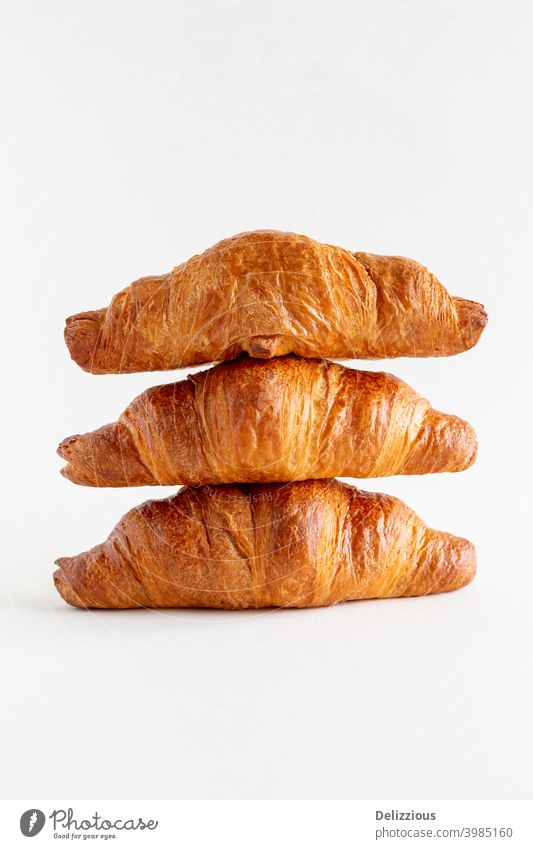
304 544
283 419
269 293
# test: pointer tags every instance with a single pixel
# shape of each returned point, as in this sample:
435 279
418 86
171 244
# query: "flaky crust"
304 544
269 293
283 419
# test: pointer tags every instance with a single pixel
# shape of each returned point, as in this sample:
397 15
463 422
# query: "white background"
135 134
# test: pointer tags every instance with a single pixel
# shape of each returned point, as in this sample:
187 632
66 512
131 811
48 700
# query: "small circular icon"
32 822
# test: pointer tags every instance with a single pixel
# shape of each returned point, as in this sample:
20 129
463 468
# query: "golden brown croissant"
270 293
276 420
304 544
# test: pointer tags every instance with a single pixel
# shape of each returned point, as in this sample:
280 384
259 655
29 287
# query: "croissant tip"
473 319
81 336
465 563
65 446
63 585
59 577
470 444
461 443
67 451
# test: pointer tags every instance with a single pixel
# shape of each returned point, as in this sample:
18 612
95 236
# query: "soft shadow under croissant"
258 421
305 544
270 293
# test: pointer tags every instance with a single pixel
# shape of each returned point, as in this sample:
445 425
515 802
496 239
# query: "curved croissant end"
472 320
444 443
82 333
95 579
104 457
445 563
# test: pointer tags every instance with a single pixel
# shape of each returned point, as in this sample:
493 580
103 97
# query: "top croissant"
269 293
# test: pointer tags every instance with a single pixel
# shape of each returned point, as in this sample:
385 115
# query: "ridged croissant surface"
269 293
304 544
278 420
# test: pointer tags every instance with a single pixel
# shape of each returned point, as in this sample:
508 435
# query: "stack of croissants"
258 439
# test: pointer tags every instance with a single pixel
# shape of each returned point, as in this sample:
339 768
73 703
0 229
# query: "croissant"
269 293
304 544
273 420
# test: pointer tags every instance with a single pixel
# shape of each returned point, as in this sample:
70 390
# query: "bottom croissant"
304 544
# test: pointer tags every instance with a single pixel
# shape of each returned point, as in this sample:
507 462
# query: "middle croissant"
283 419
